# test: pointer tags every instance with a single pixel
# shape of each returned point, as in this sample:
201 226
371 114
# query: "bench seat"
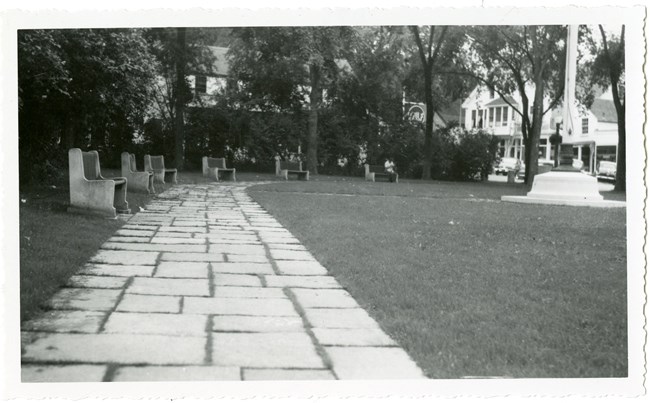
286 168
90 193
156 164
374 172
215 168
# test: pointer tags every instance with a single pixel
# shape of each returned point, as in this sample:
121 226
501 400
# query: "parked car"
507 164
606 170
543 165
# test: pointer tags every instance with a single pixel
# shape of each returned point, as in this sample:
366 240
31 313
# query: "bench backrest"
216 163
92 170
128 162
291 166
376 168
154 162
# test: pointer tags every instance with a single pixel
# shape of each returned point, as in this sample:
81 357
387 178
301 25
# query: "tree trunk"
620 158
428 128
315 98
536 130
179 133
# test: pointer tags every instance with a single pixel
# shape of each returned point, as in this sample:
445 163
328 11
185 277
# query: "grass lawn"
469 285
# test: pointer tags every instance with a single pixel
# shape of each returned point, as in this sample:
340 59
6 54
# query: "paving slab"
86 281
288 246
169 286
149 303
324 298
257 250
156 323
115 348
153 247
86 299
239 306
352 318
66 321
257 324
256 374
242 268
353 337
302 281
182 229
248 292
183 241
372 363
139 227
174 235
265 350
128 239
177 374
245 280
117 270
135 232
300 268
284 254
62 373
188 223
247 258
182 270
124 257
191 257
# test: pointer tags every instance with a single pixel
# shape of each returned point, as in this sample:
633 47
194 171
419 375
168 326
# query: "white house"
592 132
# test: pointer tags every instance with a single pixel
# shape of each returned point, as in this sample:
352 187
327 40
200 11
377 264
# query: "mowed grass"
469 285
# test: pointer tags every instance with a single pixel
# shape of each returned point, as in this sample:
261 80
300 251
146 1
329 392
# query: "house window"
585 125
497 121
462 117
201 84
504 122
491 119
473 119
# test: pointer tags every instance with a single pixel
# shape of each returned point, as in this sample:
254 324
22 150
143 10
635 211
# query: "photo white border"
636 46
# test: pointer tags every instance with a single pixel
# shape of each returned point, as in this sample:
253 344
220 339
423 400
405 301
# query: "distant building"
593 132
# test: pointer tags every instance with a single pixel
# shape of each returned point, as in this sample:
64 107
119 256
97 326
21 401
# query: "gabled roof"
501 101
221 66
604 110
451 112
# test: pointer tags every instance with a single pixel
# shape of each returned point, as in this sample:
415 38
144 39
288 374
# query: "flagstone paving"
206 285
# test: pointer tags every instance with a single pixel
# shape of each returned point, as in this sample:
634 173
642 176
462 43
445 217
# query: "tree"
276 68
438 49
509 59
606 69
80 88
179 121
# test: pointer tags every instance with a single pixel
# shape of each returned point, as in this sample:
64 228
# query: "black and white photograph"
324 203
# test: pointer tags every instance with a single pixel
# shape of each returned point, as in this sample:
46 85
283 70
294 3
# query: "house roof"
451 112
221 66
604 110
501 101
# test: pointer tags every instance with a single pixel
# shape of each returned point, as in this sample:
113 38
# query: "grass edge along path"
473 288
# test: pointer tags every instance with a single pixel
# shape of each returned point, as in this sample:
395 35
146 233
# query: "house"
207 81
592 132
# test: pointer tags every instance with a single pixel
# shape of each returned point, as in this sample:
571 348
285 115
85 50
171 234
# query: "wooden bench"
286 168
216 168
91 193
136 181
374 172
156 164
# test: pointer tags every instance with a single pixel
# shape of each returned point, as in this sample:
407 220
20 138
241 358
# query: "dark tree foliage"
286 69
87 88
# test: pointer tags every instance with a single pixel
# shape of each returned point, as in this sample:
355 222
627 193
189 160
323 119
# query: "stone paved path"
206 285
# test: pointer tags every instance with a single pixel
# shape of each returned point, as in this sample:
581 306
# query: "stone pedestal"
565 185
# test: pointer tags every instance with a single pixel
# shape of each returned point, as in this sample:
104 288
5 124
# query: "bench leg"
121 205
